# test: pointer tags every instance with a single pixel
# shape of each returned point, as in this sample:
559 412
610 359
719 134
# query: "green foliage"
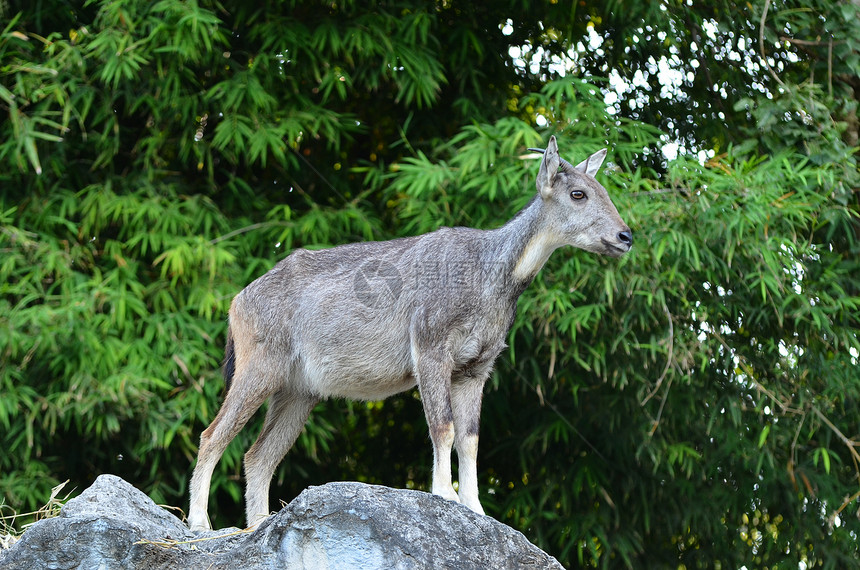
694 403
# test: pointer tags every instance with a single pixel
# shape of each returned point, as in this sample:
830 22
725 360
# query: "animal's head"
579 210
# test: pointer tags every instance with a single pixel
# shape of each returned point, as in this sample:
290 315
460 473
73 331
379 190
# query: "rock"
338 525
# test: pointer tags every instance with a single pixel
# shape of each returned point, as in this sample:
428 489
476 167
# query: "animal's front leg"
442 436
434 383
466 400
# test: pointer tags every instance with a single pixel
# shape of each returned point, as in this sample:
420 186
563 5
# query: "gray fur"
369 320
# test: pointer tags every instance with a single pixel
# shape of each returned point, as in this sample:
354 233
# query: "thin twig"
656 423
681 191
830 68
844 504
559 414
809 42
696 32
319 174
246 229
791 460
761 43
669 357
849 443
758 386
168 543
750 377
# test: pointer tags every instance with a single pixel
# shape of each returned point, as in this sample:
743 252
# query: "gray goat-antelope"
368 320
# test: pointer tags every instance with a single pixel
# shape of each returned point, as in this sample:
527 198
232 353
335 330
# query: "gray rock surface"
334 526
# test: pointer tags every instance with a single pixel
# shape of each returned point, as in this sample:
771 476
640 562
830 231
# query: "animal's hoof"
476 507
197 525
449 494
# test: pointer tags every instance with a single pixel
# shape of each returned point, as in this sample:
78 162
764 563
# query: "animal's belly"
358 374
371 388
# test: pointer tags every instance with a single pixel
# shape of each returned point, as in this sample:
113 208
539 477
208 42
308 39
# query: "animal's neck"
524 244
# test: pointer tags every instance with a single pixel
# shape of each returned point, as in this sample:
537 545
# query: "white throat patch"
535 254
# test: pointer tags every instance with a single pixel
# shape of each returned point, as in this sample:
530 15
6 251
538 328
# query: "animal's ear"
592 164
548 168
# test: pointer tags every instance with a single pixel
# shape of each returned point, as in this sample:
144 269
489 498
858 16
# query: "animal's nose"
626 237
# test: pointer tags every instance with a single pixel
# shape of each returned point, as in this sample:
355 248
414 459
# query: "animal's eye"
577 194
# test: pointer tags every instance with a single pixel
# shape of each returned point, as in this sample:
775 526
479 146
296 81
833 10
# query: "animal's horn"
565 165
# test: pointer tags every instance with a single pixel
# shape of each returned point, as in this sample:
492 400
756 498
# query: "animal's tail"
229 366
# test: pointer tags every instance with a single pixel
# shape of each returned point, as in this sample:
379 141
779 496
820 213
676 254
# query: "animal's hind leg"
245 396
285 419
